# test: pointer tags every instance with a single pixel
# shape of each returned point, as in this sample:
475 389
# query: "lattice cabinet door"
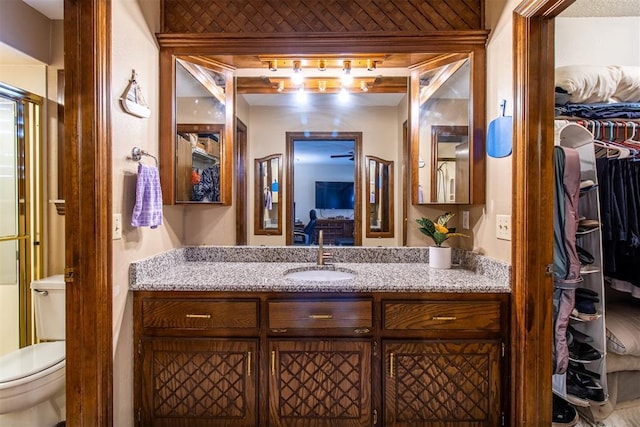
315 383
199 382
442 383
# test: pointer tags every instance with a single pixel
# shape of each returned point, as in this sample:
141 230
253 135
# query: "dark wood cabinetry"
194 382
336 231
320 383
320 359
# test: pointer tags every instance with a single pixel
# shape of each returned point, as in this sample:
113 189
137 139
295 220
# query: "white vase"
439 257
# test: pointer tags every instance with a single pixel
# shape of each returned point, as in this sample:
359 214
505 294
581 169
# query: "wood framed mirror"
268 203
447 151
379 212
196 130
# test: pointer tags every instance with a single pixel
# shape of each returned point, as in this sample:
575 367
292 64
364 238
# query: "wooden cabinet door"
442 383
198 382
315 383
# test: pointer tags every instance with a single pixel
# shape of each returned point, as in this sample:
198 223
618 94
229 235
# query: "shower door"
20 115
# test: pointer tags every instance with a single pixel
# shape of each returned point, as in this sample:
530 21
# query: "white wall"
305 190
597 40
499 87
134 24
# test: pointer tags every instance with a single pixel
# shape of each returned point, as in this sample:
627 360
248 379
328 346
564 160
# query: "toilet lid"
31 360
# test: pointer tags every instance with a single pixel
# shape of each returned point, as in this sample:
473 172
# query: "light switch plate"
503 227
465 220
116 226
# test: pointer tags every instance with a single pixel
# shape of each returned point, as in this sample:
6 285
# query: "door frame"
88 245
532 208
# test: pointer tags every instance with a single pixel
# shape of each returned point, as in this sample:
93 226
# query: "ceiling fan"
337 156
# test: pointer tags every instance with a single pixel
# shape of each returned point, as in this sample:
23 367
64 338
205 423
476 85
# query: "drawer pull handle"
248 363
391 362
273 362
198 316
279 330
321 316
362 330
444 318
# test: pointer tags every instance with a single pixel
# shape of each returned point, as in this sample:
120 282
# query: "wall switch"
465 220
116 225
503 227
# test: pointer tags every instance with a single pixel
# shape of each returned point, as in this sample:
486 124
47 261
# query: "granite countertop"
264 268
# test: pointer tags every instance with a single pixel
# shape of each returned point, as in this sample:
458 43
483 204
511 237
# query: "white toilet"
32 379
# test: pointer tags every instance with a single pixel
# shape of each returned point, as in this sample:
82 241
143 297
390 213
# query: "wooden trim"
387 202
166 131
406 180
532 208
240 174
87 151
357 153
258 217
436 131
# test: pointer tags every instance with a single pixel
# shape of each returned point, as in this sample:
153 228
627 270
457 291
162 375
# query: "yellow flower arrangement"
437 229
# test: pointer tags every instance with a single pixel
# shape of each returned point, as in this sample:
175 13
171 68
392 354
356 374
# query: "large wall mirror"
430 90
442 159
196 143
268 203
380 215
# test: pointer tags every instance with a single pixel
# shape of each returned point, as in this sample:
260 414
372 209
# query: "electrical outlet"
503 227
465 220
116 224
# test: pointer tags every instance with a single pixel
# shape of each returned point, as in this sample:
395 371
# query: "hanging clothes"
619 190
208 189
566 264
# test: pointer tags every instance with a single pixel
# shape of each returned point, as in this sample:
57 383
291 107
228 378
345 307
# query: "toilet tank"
49 305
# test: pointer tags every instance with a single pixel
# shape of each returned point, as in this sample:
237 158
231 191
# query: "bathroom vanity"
396 345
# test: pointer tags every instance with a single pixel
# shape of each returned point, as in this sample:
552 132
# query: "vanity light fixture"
273 65
280 85
364 86
346 78
297 78
322 65
371 65
322 85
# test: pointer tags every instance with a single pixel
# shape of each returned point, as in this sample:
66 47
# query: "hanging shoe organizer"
585 382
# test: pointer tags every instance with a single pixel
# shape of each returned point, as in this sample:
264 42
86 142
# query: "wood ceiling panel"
320 16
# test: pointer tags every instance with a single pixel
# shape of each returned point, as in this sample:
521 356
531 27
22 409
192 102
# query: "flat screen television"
334 195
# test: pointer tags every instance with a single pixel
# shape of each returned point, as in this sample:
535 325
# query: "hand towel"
267 200
148 209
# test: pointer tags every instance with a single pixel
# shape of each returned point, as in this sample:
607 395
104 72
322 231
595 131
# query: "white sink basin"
319 275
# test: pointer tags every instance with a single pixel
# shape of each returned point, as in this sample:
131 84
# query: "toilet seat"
31 362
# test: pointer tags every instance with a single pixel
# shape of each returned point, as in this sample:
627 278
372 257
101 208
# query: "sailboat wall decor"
132 100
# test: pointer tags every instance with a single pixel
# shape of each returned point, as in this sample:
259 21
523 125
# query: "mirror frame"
259 201
476 125
168 126
388 210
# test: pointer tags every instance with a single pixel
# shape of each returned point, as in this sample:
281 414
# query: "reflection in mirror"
200 128
380 195
450 161
268 203
198 162
442 159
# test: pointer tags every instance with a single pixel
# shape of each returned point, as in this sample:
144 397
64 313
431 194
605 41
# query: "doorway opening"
323 175
20 204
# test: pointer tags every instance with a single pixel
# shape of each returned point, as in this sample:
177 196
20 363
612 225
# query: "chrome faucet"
323 256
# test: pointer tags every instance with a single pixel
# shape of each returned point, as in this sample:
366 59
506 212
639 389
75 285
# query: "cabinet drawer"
320 314
200 314
467 315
